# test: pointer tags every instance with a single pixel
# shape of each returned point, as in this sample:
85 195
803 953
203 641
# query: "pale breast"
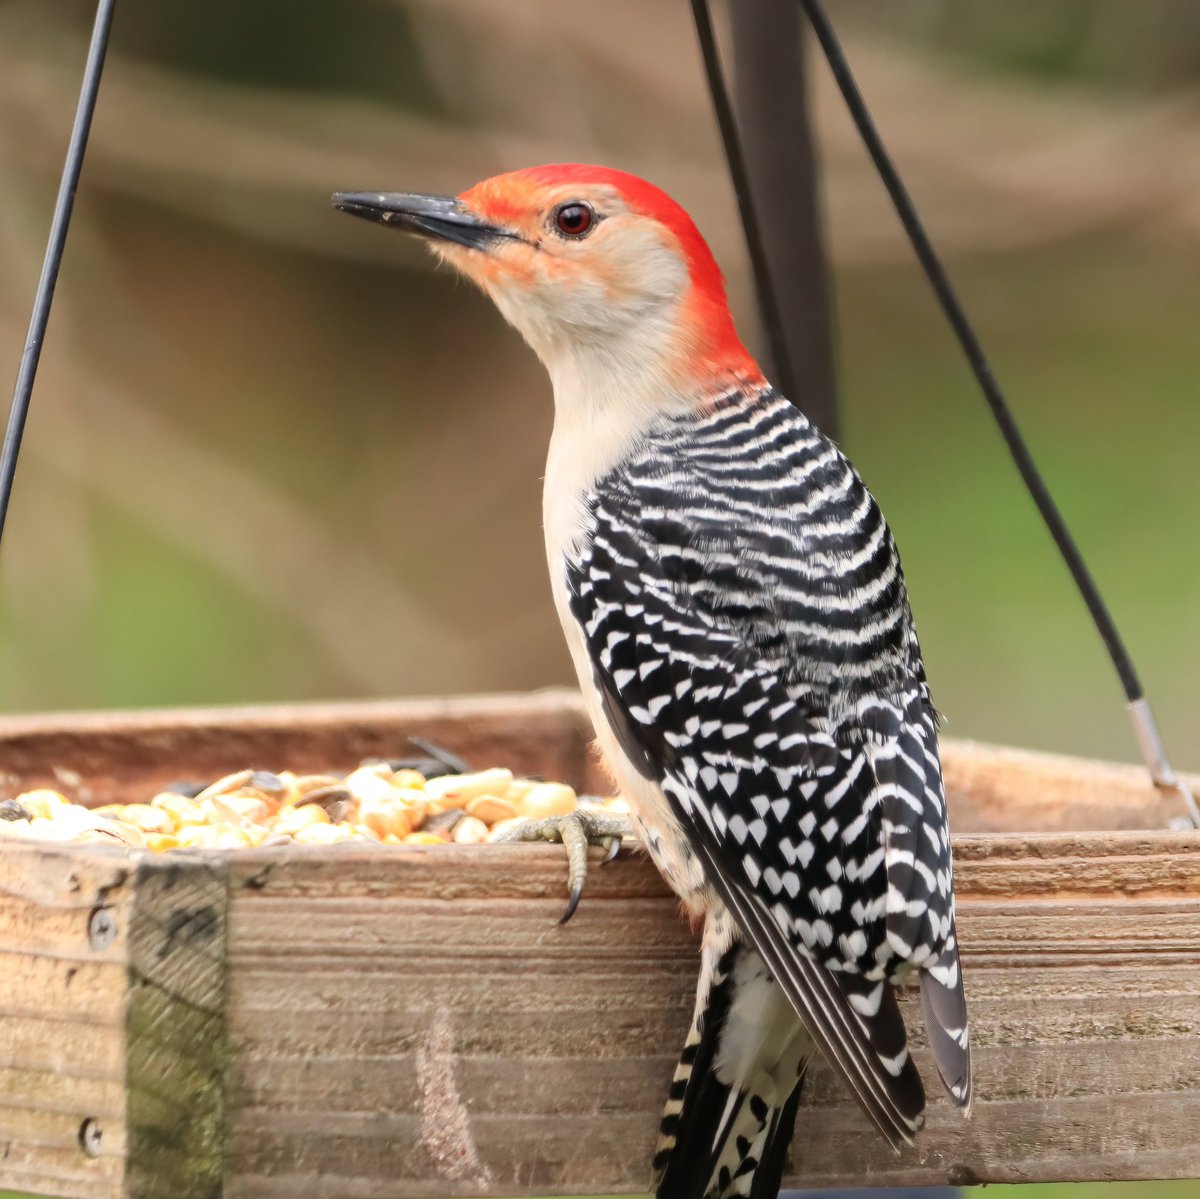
660 832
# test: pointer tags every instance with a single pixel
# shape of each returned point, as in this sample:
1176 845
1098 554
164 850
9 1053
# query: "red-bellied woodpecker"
736 612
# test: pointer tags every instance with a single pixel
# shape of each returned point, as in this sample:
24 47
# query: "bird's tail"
731 1111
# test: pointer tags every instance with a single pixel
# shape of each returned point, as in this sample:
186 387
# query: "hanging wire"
1145 728
44 297
735 158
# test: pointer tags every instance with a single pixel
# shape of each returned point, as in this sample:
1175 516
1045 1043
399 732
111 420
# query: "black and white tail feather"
744 611
732 1108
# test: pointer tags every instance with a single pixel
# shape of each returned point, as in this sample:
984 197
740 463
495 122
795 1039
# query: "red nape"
719 349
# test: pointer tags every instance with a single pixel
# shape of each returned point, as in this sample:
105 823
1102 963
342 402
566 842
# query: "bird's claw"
576 831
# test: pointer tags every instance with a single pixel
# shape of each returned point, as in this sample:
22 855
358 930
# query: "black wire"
936 274
32 352
735 158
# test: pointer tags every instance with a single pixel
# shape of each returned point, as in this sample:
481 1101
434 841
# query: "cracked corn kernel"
457 790
230 836
146 818
491 808
548 799
224 786
244 807
43 803
291 820
194 836
470 831
323 834
179 808
304 783
385 816
502 826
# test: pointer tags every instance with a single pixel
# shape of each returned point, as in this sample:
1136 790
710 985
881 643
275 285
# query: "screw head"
102 928
90 1134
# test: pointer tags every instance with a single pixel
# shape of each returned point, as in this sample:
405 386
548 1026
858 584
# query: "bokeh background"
274 455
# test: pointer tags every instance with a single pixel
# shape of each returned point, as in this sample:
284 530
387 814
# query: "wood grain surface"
113 1059
355 1022
429 1030
62 1019
176 1055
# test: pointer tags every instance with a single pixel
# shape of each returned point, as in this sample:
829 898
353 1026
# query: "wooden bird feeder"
368 1022
355 1022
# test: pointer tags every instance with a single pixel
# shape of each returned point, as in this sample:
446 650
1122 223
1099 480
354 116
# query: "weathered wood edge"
1108 864
63 912
309 717
991 789
1099 866
176 1053
161 922
130 755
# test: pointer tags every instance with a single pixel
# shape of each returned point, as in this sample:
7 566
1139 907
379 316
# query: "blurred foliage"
273 457
1150 46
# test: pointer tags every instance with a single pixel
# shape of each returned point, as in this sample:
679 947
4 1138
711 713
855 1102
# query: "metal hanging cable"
44 297
1145 728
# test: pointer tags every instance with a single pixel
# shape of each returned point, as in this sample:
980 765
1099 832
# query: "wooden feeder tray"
362 1022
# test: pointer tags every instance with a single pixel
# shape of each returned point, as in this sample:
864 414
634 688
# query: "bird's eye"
574 219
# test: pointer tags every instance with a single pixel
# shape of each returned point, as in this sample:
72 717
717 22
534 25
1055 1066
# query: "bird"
736 612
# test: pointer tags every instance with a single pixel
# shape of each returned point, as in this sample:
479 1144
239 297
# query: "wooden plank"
62 1008
55 1175
996 790
86 990
112 1017
80 1050
52 1092
417 1024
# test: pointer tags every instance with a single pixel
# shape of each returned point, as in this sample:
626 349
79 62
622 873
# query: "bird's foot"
576 831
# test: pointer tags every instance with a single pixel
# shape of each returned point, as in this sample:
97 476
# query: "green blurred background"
274 456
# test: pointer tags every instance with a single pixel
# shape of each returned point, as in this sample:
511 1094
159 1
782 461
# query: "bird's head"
598 269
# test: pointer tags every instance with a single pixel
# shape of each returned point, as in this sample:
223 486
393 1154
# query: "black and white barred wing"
920 904
792 823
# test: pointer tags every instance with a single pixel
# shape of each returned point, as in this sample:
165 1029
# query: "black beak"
442 218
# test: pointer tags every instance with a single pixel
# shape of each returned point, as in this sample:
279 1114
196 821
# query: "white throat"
612 342
606 397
